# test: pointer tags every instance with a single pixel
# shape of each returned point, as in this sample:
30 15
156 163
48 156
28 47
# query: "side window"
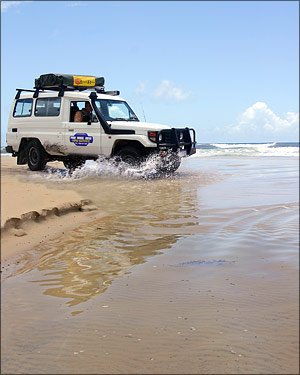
23 108
74 108
47 107
84 107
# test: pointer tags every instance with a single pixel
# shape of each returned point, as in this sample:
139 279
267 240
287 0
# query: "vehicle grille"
174 139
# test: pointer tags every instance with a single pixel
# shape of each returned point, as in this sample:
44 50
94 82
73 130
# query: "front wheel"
170 163
36 156
130 155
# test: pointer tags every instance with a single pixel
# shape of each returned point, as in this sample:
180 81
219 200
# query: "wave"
243 145
248 149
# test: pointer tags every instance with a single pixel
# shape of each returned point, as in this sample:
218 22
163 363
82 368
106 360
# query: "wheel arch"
121 143
25 140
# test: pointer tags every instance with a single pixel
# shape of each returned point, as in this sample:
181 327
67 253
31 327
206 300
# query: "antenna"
143 111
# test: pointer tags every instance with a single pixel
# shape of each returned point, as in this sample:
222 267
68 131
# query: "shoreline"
33 212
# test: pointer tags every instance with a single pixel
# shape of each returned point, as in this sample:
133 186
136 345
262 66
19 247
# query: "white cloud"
140 89
5 5
260 122
166 89
73 4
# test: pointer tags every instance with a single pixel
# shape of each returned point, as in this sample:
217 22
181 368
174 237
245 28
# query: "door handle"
71 130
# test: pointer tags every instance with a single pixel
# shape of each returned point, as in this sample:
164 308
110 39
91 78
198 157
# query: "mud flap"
22 156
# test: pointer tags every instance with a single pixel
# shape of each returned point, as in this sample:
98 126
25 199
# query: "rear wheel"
36 156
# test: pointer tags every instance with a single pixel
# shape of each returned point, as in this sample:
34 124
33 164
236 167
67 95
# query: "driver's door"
80 137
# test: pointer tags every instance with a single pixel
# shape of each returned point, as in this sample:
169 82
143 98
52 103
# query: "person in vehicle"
84 114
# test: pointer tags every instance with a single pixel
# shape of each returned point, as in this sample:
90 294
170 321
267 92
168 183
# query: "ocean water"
226 225
249 149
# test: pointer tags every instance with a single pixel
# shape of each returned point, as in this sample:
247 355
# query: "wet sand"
197 273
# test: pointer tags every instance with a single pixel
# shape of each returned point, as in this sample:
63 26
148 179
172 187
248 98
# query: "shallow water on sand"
216 222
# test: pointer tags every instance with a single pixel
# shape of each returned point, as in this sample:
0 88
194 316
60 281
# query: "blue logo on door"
81 139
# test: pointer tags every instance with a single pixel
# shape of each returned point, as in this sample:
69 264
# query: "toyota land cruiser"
42 126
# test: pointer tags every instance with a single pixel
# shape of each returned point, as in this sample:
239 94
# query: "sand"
196 274
33 212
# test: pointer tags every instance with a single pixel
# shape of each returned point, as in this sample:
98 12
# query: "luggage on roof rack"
57 81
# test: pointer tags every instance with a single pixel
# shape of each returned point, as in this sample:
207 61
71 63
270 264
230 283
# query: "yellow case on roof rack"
52 80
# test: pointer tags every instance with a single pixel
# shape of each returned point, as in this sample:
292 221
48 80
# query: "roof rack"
67 82
62 89
19 92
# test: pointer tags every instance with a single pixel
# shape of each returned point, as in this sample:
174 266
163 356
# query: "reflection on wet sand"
143 219
223 299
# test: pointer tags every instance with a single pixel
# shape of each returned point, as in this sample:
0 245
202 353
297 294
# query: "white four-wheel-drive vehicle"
42 126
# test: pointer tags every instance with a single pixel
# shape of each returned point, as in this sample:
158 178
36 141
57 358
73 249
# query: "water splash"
111 168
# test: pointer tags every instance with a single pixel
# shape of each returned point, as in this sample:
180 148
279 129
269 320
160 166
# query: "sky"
229 69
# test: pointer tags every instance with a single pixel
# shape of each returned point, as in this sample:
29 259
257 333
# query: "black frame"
62 88
170 139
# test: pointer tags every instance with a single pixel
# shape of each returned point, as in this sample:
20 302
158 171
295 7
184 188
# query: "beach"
32 213
112 270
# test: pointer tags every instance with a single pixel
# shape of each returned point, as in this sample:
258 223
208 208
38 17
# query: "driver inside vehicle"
83 115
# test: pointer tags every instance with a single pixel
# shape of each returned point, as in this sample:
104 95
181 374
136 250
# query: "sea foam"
247 149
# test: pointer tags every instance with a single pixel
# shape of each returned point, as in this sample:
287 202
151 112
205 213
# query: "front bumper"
178 140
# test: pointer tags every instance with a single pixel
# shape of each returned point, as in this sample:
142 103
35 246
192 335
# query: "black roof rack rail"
19 92
62 89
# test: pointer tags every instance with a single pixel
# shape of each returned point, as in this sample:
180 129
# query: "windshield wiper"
119 119
132 118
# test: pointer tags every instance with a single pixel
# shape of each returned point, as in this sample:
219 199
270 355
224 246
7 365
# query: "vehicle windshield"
116 110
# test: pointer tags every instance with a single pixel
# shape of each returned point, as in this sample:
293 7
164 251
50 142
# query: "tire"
72 164
130 155
36 156
170 163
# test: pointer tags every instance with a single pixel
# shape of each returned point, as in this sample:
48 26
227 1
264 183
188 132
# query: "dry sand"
32 211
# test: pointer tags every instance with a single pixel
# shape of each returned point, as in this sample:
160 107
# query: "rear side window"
47 107
23 108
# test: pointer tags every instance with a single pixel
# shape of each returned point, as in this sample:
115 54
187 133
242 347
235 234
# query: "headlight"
160 137
152 136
